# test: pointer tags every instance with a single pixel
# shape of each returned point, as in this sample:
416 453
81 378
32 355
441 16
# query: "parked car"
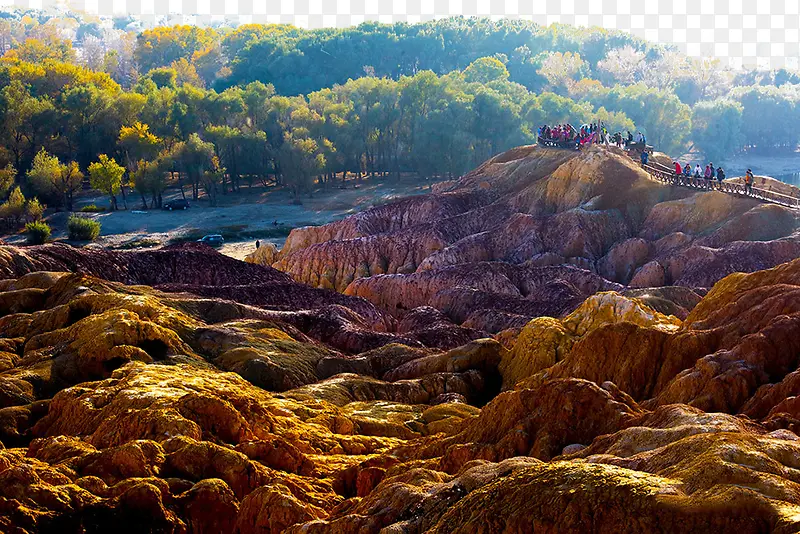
179 204
213 240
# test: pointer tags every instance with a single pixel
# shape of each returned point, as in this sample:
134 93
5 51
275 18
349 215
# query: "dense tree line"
213 110
59 121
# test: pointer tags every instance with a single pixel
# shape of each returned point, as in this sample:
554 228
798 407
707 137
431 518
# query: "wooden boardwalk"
666 175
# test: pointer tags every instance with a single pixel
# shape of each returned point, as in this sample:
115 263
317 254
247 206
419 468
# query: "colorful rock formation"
495 375
533 207
126 407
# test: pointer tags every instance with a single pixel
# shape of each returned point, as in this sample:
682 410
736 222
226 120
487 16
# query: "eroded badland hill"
554 343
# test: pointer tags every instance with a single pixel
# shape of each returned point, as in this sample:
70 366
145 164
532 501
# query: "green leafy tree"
8 175
769 116
150 180
14 207
212 178
34 210
194 158
106 175
28 122
301 159
485 70
717 128
164 77
44 173
138 144
664 119
55 180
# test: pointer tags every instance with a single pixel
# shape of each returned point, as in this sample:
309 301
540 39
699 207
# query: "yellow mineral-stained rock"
266 255
545 341
220 396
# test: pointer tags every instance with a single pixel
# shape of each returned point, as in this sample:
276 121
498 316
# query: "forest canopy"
219 108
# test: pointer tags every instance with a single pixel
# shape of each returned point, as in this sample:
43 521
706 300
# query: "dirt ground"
242 218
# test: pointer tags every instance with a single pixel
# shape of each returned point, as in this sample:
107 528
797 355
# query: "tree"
90 119
38 51
664 119
563 71
301 159
186 73
622 65
14 207
8 175
769 115
614 121
150 180
209 63
94 52
164 77
106 175
44 174
194 158
161 46
702 79
485 70
717 128
212 178
28 122
34 210
138 144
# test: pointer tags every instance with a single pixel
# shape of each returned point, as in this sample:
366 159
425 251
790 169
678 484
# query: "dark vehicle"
213 240
180 204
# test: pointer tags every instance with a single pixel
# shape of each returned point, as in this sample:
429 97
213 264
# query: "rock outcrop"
512 370
532 207
126 407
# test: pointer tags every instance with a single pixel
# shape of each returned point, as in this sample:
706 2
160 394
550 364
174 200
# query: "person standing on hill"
748 182
645 156
720 176
678 169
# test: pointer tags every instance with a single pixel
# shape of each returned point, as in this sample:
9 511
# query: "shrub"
38 232
34 210
82 228
92 208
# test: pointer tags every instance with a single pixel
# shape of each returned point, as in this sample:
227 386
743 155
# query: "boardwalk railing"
552 143
668 176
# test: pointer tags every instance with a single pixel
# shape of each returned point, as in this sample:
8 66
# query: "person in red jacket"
678 169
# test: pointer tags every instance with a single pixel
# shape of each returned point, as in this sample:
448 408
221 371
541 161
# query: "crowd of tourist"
567 135
685 173
709 174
